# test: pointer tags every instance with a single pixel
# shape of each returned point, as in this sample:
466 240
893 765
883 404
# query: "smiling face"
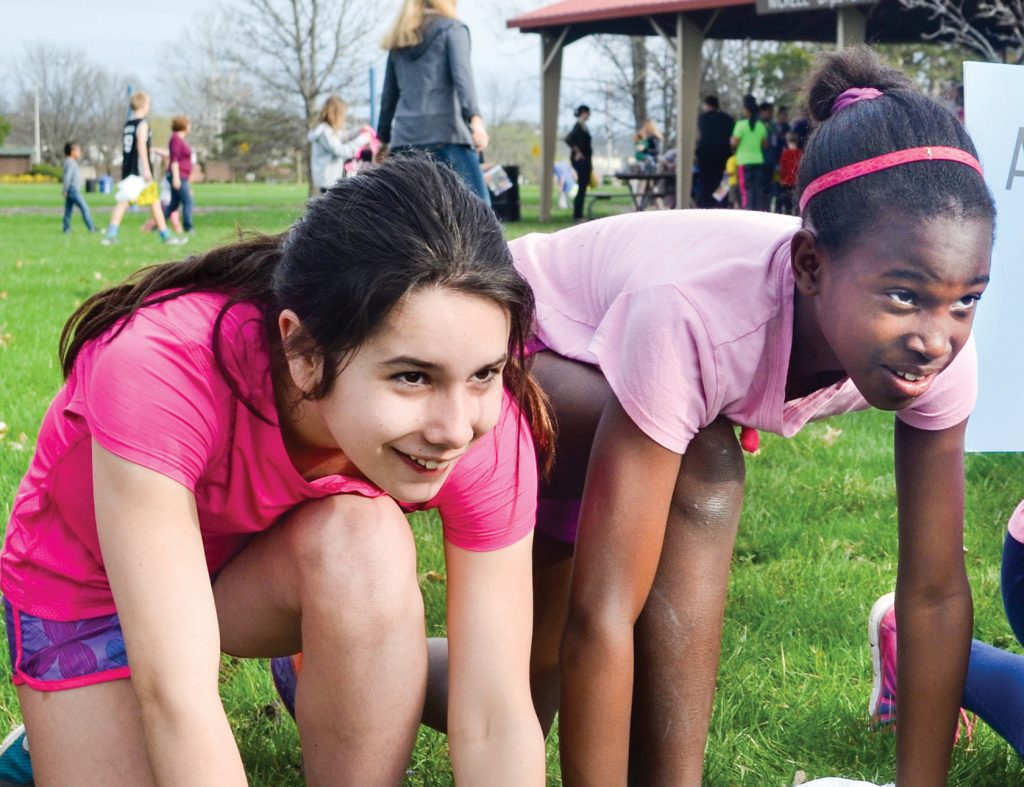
414 397
894 310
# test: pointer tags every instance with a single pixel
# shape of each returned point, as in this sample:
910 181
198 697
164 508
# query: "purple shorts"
556 519
53 655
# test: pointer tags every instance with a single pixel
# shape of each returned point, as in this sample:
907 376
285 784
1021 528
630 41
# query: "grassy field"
817 541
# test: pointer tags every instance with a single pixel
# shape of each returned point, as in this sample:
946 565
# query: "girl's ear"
806 256
305 369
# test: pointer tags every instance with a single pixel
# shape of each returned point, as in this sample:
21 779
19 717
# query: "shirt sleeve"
462 71
950 399
490 501
149 397
653 349
388 101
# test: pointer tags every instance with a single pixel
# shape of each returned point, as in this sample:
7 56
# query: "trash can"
91 184
505 202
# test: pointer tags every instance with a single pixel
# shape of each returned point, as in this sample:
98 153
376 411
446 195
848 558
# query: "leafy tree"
262 141
5 128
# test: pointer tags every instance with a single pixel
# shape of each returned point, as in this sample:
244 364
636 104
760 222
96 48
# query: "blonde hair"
138 100
651 129
333 112
407 29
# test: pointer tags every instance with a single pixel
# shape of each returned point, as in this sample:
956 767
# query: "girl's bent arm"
493 732
933 600
629 488
153 553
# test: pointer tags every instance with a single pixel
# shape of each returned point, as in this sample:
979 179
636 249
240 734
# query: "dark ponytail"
901 118
750 104
243 270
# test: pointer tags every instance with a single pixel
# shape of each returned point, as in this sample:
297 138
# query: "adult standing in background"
581 154
429 102
749 140
714 128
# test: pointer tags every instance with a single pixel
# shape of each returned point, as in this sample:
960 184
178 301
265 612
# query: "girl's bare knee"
349 550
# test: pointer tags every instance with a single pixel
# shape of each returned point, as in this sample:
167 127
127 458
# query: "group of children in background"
172 201
769 150
390 352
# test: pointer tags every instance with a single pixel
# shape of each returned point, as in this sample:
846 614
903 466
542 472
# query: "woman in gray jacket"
429 102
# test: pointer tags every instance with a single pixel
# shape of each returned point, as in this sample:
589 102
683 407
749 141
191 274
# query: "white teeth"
427 463
911 377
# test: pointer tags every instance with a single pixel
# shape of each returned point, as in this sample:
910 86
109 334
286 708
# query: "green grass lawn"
817 541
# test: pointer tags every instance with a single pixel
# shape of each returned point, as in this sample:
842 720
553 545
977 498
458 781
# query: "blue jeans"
995 678
182 197
461 158
72 199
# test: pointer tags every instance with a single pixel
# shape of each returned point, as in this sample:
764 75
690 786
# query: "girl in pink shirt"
663 331
227 468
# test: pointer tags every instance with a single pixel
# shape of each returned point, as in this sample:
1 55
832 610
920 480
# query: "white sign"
994 113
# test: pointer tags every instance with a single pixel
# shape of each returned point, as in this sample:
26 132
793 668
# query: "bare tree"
502 99
78 100
993 29
300 50
199 81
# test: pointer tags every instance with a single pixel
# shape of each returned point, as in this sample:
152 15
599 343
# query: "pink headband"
853 95
885 161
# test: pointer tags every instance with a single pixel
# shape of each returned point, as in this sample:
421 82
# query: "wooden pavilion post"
689 39
851 26
551 80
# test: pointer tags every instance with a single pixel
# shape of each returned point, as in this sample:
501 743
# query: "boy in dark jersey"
135 149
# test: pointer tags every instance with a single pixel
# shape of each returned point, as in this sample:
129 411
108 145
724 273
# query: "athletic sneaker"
108 240
285 672
15 763
176 240
882 639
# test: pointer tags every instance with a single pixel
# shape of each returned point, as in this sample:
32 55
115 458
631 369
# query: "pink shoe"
882 639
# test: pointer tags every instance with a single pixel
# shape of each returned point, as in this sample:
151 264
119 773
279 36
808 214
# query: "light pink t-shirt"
1016 526
689 314
153 395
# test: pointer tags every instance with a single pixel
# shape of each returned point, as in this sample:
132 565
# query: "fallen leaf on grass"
3 430
831 435
22 438
3 295
434 576
5 339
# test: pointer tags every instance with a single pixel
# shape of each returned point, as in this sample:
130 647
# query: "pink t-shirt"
689 314
153 395
181 154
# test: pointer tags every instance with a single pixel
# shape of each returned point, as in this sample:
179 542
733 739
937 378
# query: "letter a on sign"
1018 147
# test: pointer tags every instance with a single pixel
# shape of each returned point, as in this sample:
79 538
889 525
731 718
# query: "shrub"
49 170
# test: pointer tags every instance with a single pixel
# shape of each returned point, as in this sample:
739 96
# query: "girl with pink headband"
659 333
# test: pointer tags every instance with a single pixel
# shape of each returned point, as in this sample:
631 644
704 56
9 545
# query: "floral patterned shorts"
53 655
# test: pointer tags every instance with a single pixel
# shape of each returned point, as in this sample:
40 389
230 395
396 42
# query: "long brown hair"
356 252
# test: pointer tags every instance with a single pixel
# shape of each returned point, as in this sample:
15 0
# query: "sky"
116 34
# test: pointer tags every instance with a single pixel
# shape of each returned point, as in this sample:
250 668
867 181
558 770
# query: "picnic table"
647 187
644 190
